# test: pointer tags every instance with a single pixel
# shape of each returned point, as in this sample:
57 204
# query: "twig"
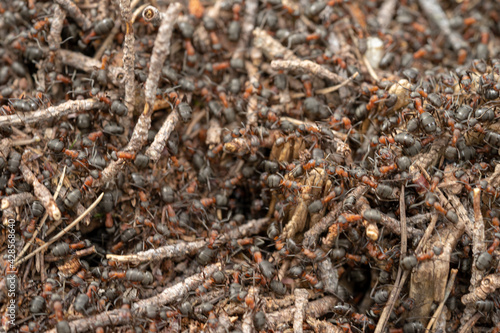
50 112
128 55
306 66
24 142
478 243
183 248
63 232
270 46
54 39
41 192
252 106
168 295
435 13
323 326
478 247
329 276
156 148
5 145
75 12
467 327
44 218
314 309
311 236
398 285
248 25
427 233
449 287
87 64
17 200
179 249
8 214
300 305
247 323
161 50
386 12
488 285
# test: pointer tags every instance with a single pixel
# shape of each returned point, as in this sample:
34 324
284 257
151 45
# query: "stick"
478 243
478 246
160 51
311 236
170 251
75 12
329 276
306 66
398 285
323 326
435 13
156 148
386 12
300 305
64 231
270 46
248 25
467 327
449 287
51 112
168 295
488 285
182 248
41 192
5 145
17 200
54 39
314 309
87 64
44 218
128 55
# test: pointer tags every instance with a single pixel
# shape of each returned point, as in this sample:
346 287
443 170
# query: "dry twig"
75 12
251 9
17 200
156 148
449 287
400 280
179 249
122 317
311 236
435 13
300 305
306 66
87 64
270 46
329 276
50 112
41 192
323 326
44 218
161 50
488 285
128 55
62 233
314 309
